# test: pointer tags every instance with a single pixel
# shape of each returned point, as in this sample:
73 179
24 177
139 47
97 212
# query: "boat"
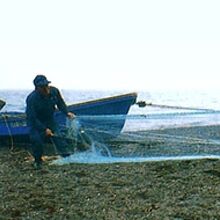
100 118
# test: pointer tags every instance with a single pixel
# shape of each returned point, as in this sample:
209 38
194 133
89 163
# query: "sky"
109 45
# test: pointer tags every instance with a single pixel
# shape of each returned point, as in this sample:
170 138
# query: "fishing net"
176 135
132 137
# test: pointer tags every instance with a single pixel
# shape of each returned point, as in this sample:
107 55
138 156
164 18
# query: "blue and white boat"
104 117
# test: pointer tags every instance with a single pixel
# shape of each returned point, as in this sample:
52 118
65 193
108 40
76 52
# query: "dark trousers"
37 144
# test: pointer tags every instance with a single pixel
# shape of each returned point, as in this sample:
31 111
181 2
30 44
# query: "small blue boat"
103 117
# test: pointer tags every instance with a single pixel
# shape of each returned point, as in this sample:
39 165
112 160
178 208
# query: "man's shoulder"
54 90
32 96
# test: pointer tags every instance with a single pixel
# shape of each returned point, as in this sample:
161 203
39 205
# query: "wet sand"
151 190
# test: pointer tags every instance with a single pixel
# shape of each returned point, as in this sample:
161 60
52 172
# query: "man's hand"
49 133
70 115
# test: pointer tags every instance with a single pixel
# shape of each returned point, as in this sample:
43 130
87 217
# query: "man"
41 105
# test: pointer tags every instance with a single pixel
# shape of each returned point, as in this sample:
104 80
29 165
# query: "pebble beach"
177 189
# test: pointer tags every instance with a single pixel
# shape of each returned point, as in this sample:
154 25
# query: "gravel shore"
186 189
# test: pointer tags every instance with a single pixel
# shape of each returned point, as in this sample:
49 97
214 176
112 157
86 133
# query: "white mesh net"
183 135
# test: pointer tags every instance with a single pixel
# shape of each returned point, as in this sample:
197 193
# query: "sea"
171 111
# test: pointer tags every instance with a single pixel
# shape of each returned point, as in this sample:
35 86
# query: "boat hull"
98 117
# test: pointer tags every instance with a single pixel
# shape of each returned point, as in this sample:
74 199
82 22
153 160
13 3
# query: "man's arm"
32 119
62 106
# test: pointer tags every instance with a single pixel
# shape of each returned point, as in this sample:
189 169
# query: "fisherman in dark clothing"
41 105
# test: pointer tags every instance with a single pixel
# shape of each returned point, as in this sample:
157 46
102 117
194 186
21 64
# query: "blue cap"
41 80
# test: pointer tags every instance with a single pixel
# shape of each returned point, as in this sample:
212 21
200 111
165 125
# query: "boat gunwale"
105 99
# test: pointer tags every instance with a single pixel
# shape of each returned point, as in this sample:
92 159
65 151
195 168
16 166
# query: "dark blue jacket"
40 109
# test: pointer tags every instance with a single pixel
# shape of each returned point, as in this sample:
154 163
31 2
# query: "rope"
142 104
9 132
54 146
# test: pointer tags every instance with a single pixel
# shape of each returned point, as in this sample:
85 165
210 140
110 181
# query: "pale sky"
114 44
